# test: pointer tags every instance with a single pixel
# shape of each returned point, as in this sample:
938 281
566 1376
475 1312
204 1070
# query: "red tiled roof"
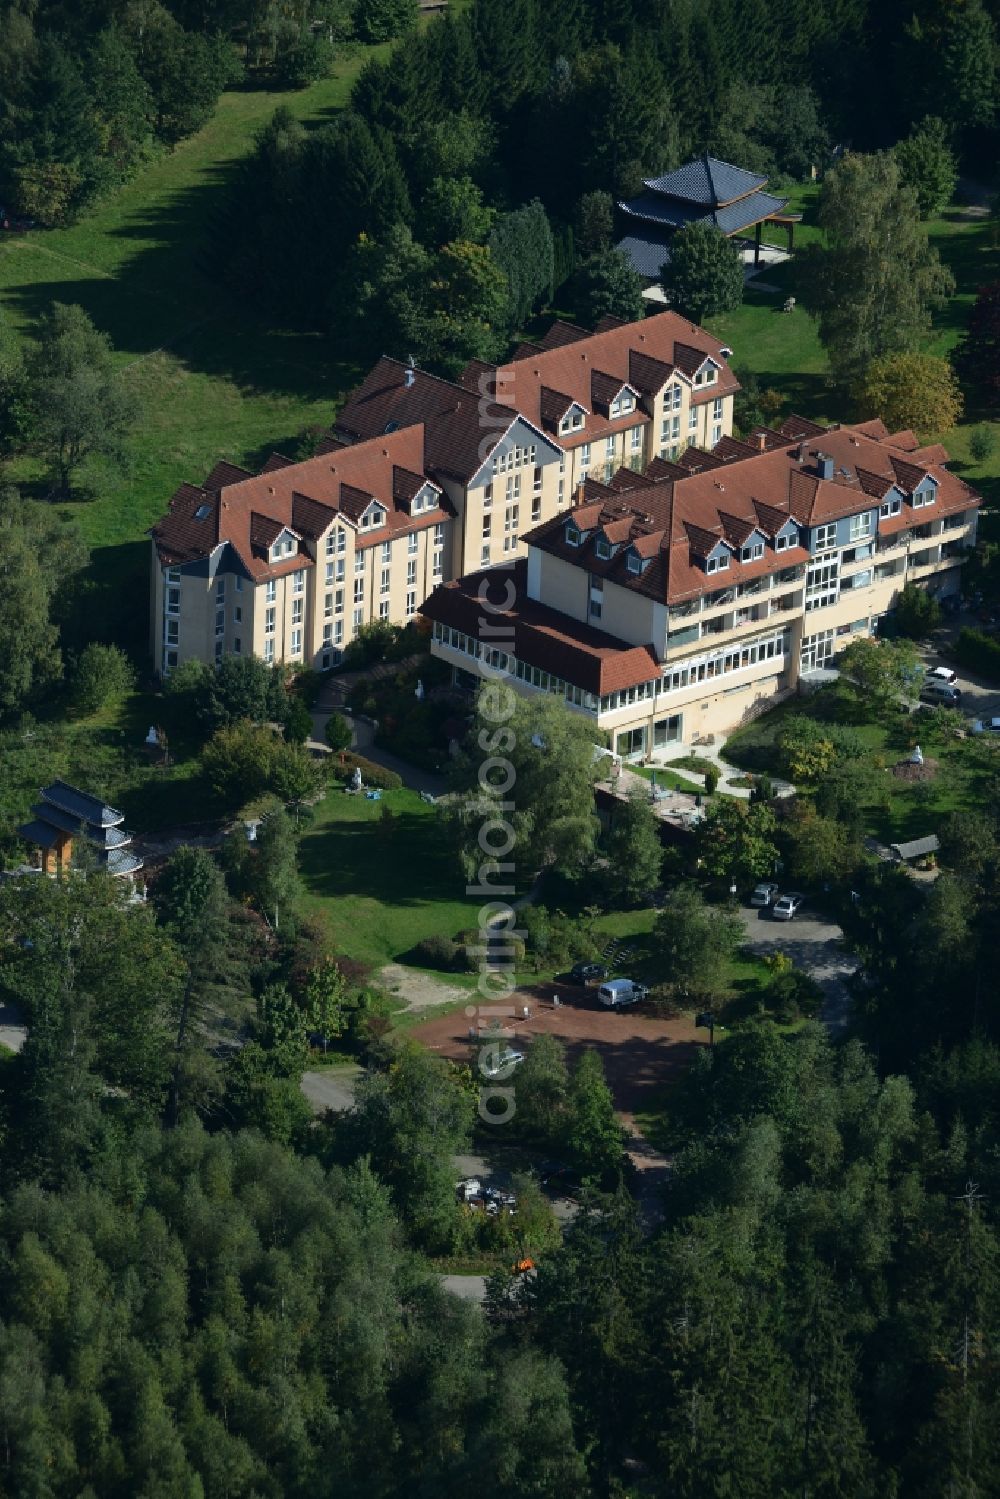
692 508
225 473
542 637
250 513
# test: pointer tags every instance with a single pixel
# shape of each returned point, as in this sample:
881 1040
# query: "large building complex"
678 602
422 480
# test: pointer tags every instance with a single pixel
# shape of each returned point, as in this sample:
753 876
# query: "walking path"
727 773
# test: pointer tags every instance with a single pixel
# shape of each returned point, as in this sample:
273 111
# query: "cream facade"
732 645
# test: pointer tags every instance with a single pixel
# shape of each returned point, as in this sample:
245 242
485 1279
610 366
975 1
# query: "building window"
484 556
412 543
536 508
693 420
359 562
603 548
634 562
338 601
384 582
707 375
411 572
572 421
717 409
297 612
636 439
338 632
437 568
623 403
383 609
173 600
585 456
890 506
386 551
238 646
329 572
328 606
861 526
328 634
298 581
487 496
218 650
173 632
296 642
439 534
173 574
269 622
716 433
238 615
825 537
487 526
672 398
171 659
752 553
536 482
717 564
411 603
822 584
510 517
670 433
270 591
359 590
220 589
573 535
269 650
358 618
283 547
596 597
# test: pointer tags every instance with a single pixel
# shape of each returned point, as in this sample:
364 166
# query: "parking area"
815 944
979 699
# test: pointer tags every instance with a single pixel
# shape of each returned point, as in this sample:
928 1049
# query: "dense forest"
399 202
205 1292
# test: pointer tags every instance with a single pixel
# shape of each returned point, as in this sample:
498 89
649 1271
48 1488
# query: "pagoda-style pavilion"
706 191
65 815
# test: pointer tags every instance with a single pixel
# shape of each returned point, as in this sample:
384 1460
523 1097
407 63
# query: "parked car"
505 1063
619 992
584 973
498 1200
560 1178
941 694
468 1188
942 674
786 906
986 725
764 894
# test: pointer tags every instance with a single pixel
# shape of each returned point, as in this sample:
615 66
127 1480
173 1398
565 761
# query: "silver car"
786 906
764 894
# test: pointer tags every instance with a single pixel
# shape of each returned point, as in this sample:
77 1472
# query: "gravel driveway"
815 945
331 1088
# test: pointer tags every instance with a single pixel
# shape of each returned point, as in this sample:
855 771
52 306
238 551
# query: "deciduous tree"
695 942
704 275
635 853
608 286
927 165
912 390
875 281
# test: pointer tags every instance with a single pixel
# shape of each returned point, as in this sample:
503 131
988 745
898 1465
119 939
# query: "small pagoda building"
705 191
66 817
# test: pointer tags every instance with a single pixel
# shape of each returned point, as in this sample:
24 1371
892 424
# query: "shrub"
917 612
298 722
979 652
338 732
981 444
711 780
434 952
371 774
103 674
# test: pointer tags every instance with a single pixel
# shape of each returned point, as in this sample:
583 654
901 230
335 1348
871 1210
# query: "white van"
618 992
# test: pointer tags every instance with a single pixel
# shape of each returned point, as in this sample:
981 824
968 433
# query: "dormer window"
717 564
634 562
573 534
425 499
572 421
203 512
752 553
707 375
890 506
283 547
782 543
372 518
623 403
923 497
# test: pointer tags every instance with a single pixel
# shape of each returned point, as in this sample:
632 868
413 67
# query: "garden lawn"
216 379
380 885
896 811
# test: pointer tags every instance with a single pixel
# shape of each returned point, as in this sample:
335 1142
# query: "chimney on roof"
411 374
762 442
825 463
580 490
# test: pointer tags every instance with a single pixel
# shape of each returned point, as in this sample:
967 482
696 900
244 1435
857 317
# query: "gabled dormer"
371 518
752 547
426 498
925 492
285 544
891 503
787 537
707 374
611 396
573 420
718 559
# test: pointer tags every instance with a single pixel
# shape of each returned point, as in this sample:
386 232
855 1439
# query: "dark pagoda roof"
730 218
707 182
81 805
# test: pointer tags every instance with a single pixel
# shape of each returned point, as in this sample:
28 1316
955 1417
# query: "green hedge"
979 652
371 774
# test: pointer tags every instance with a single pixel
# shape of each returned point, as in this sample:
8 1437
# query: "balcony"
892 543
754 589
786 603
677 639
